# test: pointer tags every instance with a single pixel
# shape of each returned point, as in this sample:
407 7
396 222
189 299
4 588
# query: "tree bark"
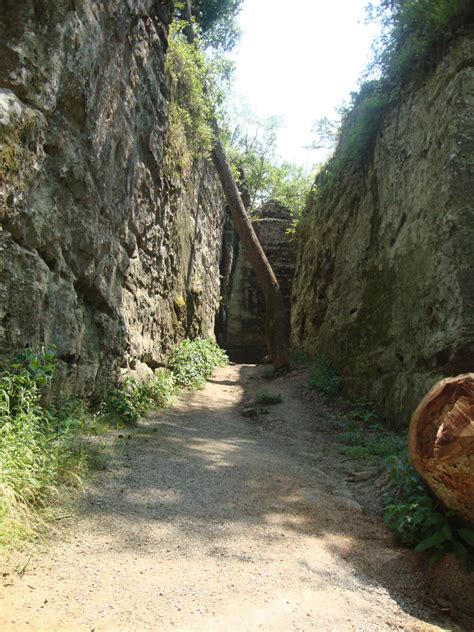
277 325
441 443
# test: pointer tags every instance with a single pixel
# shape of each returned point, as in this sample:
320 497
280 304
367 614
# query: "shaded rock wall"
241 324
384 284
103 252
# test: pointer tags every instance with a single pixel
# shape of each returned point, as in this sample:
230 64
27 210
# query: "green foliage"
414 34
132 399
301 357
41 449
324 377
37 449
360 122
217 20
269 373
418 520
189 133
410 511
251 144
371 444
193 361
39 364
265 398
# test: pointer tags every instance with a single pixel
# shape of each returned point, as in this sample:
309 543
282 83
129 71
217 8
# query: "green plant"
265 398
40 364
302 357
132 399
418 520
371 445
414 34
251 143
217 20
410 511
37 450
189 133
193 361
365 411
324 377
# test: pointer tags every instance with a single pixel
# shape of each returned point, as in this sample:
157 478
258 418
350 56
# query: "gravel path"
207 520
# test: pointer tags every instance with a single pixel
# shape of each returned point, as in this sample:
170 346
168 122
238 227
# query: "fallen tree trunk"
277 326
441 443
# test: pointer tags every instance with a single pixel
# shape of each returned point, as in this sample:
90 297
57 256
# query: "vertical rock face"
103 252
241 325
384 284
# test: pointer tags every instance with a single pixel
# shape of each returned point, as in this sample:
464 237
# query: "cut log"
441 443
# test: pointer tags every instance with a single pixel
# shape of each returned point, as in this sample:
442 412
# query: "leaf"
446 531
460 551
467 535
426 544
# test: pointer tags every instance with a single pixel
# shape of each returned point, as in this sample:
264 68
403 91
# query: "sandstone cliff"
104 252
241 324
384 284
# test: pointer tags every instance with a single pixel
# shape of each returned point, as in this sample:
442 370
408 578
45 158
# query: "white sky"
301 59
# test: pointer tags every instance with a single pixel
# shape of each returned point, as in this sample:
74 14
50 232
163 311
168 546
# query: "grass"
265 398
45 447
410 510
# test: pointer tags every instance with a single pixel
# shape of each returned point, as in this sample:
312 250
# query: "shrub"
132 399
265 398
324 377
410 511
193 361
418 520
36 447
414 36
189 134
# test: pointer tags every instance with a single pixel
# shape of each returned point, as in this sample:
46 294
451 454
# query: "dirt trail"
207 520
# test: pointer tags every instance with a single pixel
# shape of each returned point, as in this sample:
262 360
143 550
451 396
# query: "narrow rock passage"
206 520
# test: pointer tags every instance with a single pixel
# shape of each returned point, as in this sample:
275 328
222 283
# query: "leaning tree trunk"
441 443
277 326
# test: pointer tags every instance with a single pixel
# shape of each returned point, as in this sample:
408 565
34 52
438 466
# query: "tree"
277 326
252 147
217 20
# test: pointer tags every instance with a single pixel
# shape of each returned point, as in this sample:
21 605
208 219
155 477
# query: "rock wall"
385 278
104 252
241 324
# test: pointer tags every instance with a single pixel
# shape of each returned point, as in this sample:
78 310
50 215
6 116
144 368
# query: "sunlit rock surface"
103 252
384 284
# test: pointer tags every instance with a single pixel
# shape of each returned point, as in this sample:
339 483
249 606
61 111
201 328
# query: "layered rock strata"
384 284
241 325
103 252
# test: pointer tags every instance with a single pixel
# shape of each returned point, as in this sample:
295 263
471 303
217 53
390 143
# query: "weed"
418 520
410 511
269 373
265 398
36 447
132 399
189 133
193 361
324 377
41 449
302 358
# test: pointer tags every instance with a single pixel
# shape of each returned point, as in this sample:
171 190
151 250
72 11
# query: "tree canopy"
217 20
